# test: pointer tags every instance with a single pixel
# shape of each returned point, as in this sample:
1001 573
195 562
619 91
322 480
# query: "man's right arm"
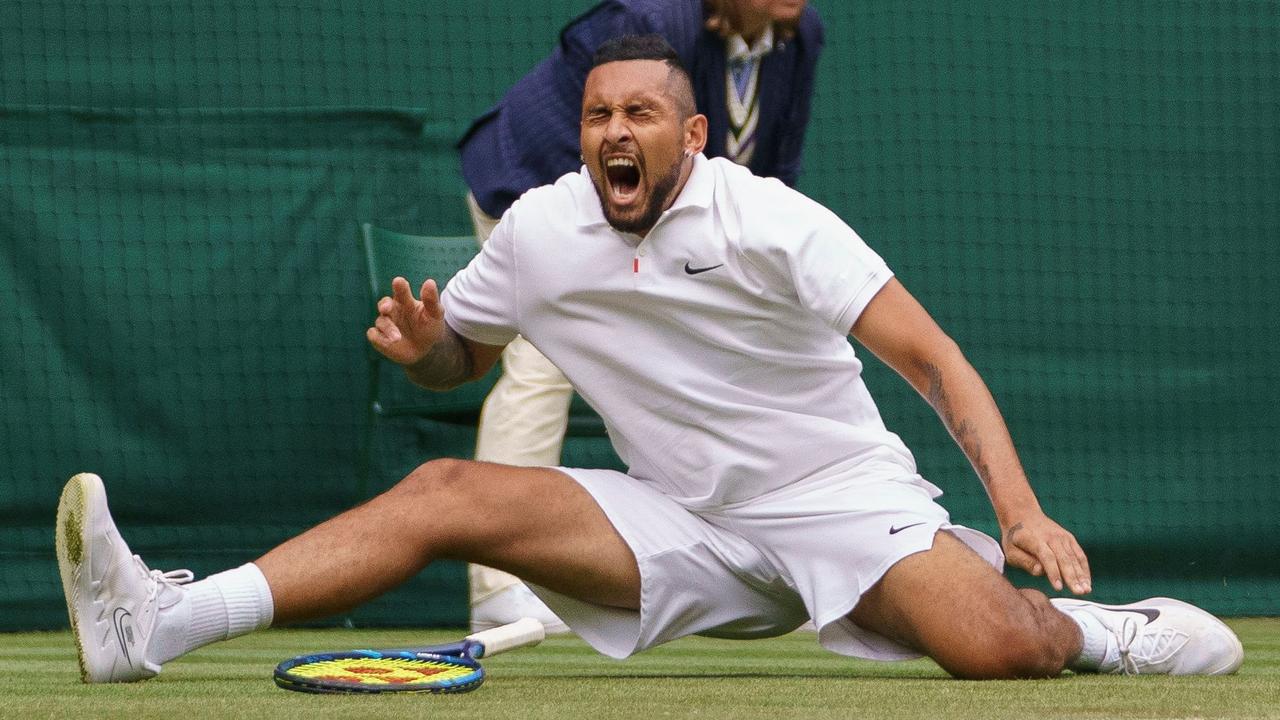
413 334
452 361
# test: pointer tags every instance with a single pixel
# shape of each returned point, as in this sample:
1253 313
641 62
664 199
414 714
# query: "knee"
438 479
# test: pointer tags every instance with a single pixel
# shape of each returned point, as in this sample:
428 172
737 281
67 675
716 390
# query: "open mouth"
623 175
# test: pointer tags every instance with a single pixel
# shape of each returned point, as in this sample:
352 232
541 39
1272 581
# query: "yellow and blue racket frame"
379 671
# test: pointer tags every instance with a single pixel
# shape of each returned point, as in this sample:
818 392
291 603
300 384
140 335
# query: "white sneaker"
113 599
1162 636
511 604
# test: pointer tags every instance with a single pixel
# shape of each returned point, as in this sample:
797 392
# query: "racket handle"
523 632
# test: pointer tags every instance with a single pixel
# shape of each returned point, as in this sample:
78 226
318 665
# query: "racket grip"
523 632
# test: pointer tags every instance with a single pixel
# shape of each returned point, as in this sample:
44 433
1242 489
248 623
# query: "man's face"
633 141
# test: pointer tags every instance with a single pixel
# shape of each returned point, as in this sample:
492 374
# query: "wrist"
1011 511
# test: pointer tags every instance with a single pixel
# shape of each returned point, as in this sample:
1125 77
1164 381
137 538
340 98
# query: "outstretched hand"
407 328
1041 546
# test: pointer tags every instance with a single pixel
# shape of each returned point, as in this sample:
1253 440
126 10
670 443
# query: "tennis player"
753 64
704 312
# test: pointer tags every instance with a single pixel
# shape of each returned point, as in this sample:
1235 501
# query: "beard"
657 202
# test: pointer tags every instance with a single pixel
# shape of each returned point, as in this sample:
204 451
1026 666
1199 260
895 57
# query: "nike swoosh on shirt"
896 530
698 271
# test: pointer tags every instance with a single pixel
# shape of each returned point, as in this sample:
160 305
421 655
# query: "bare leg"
951 605
535 522
522 423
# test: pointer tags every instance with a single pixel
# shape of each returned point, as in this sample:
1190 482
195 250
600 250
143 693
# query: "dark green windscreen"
1086 195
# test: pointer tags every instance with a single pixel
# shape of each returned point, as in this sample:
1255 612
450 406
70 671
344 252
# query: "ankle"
1096 642
219 607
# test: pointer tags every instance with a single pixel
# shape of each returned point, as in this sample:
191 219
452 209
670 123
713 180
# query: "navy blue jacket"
530 137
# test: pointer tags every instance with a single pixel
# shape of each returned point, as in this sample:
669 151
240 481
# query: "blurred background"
1086 195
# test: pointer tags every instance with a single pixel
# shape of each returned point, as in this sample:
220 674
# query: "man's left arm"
901 332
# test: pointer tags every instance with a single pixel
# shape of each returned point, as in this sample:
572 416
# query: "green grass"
563 678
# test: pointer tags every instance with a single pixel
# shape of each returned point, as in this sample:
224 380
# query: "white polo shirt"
715 348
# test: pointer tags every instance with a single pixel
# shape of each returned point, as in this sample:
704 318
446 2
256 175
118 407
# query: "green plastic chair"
415 257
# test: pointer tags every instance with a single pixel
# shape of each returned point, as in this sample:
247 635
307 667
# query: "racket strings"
383 671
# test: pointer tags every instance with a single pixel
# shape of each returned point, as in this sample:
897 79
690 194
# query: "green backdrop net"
1086 195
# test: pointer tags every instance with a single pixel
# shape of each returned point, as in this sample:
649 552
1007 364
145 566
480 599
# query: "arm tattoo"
960 428
446 366
1012 531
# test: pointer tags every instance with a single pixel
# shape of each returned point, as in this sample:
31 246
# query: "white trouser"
524 418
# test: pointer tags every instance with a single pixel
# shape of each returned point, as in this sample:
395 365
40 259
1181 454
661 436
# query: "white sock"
219 607
1098 643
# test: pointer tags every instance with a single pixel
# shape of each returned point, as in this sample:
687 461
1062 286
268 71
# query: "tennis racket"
452 668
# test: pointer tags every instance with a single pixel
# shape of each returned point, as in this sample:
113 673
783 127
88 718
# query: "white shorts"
760 568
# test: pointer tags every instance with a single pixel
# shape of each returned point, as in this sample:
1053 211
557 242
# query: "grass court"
564 679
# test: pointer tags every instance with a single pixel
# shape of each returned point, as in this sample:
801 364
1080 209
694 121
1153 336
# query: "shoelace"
161 579
169 578
1124 640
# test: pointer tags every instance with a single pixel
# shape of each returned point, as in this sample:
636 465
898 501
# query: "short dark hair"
636 47
651 46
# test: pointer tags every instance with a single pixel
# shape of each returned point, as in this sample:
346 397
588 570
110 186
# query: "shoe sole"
1237 657
71 546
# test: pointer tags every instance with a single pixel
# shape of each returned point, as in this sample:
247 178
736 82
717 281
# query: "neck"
752 26
751 35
